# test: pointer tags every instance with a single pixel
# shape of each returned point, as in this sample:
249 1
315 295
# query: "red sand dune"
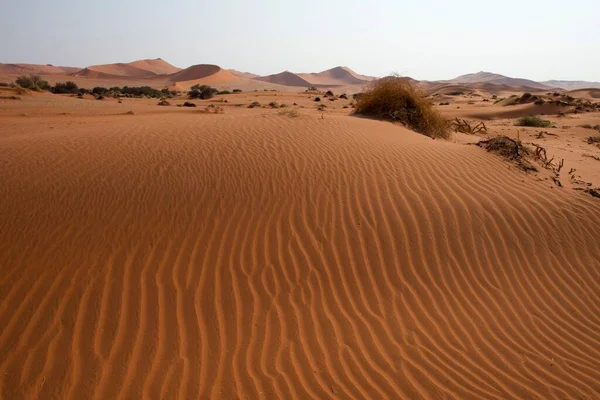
338 76
175 254
157 66
119 69
285 78
36 69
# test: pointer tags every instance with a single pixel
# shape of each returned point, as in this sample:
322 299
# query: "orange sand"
175 254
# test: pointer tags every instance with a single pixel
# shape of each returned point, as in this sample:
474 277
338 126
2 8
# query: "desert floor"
167 252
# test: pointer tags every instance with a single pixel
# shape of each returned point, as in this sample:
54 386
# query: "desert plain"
295 251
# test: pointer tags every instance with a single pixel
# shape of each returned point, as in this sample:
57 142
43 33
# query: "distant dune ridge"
159 73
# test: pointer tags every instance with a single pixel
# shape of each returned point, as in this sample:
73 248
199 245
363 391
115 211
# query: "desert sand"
165 252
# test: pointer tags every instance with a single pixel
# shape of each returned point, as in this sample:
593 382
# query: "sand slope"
250 255
157 66
286 78
35 69
338 76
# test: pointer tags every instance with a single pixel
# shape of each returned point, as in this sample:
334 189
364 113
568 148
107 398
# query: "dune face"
173 254
497 79
35 69
157 66
120 69
285 78
338 76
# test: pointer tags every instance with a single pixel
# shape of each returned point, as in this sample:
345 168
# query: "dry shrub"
511 149
395 99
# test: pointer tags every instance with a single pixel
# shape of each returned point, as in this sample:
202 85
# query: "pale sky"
424 39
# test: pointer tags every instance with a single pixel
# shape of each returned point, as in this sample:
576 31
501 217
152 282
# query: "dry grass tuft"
395 99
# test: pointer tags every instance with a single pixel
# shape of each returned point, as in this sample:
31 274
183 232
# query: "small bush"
533 121
254 104
444 104
343 96
4 84
163 103
237 90
356 96
289 113
100 90
188 104
32 82
586 126
273 104
202 92
395 99
224 92
100 97
594 139
456 93
317 98
321 107
66 87
329 93
539 102
312 89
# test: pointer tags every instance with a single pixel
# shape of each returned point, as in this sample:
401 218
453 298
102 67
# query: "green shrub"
66 87
32 82
224 92
100 90
395 99
534 121
202 92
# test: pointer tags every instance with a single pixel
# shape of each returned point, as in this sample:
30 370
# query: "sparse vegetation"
594 140
273 104
66 87
288 112
329 93
32 82
317 98
224 92
254 104
164 102
202 92
343 96
463 126
456 93
312 89
533 121
237 90
511 149
395 99
189 104
4 84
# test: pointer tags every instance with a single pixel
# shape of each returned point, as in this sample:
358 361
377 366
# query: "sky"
423 39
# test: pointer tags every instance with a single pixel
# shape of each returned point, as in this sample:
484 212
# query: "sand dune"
497 79
285 78
157 66
338 76
35 69
118 69
171 254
